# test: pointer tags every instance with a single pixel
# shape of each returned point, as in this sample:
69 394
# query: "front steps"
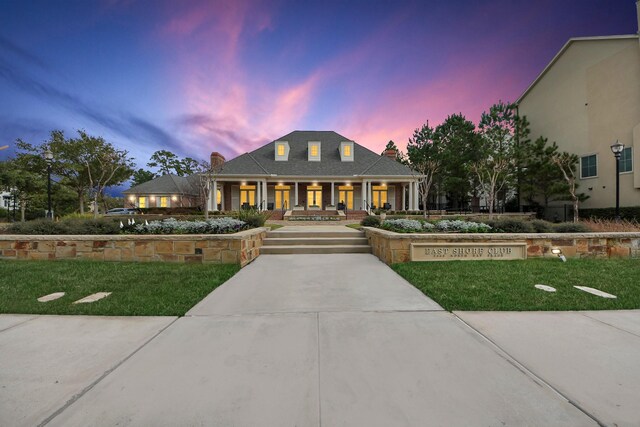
315 242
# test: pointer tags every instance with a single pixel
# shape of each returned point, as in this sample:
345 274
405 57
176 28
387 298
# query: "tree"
141 176
460 149
392 146
186 166
499 151
163 160
540 177
207 172
424 153
25 176
567 163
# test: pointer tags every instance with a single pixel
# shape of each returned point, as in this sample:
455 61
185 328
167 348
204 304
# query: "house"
307 170
166 191
585 100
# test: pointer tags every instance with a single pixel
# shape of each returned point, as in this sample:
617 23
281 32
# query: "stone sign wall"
239 248
393 247
467 251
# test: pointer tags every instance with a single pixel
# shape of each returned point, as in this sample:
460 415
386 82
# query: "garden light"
557 251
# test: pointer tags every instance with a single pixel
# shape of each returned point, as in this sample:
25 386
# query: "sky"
196 76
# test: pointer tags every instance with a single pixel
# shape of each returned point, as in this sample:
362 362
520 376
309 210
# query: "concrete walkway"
331 340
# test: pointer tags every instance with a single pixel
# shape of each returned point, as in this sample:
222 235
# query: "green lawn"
509 285
138 289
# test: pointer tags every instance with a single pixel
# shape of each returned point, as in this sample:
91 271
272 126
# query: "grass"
355 226
138 289
509 285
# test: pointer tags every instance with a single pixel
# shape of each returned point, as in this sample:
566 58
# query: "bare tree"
207 173
567 163
104 167
425 158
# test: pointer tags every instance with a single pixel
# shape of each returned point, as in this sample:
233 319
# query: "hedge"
628 212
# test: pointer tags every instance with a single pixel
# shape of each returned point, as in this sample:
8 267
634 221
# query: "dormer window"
346 151
282 151
314 151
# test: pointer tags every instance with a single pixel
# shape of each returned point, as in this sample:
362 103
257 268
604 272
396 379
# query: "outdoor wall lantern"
174 198
48 157
558 252
616 149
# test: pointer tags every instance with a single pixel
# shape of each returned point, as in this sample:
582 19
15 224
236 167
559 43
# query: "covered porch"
313 195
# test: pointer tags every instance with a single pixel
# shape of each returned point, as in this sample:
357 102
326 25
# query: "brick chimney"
217 159
392 153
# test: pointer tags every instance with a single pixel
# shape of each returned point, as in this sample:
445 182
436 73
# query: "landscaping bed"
509 285
137 289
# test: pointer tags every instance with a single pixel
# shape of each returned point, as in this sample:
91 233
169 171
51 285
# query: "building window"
163 201
247 196
280 149
314 151
219 197
379 195
347 150
626 163
588 166
142 202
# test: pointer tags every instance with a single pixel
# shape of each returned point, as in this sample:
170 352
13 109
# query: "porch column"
264 195
369 193
295 195
333 199
364 194
257 200
416 201
222 188
404 192
214 196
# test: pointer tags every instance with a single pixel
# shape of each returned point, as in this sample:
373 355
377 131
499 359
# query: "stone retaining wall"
393 247
239 248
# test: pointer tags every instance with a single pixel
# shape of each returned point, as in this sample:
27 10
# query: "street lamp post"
616 149
48 157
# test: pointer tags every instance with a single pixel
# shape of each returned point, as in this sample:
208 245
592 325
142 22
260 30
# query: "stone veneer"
393 247
238 248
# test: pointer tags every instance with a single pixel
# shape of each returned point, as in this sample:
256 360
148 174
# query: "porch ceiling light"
132 198
174 198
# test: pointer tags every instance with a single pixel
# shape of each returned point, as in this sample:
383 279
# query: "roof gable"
262 160
165 184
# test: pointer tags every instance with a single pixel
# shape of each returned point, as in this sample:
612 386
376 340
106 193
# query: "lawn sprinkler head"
557 251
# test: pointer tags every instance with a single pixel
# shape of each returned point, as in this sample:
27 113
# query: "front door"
345 196
314 196
379 196
282 197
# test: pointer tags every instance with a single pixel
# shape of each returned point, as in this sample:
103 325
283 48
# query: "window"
314 151
379 194
626 164
219 197
163 201
588 166
142 202
247 196
280 149
347 150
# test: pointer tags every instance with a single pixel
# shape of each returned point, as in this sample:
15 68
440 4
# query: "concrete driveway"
333 340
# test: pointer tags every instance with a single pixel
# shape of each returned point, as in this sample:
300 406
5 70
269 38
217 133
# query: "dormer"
346 151
314 151
282 151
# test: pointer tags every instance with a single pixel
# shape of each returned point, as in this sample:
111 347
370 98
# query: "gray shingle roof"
166 184
262 161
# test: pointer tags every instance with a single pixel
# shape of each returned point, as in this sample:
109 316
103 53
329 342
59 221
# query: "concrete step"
318 241
315 249
313 234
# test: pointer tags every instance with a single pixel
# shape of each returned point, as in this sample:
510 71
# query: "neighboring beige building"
585 99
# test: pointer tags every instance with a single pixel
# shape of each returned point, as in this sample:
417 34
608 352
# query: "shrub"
541 226
77 215
370 221
507 225
604 225
571 227
253 217
462 226
75 226
631 213
403 225
171 226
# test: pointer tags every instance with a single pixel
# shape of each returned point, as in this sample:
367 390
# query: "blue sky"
199 76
